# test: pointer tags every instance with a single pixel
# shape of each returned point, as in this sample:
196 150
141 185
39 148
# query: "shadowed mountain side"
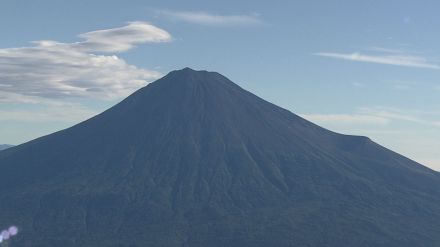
194 160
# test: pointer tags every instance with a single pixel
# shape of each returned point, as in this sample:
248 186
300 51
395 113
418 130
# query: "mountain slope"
5 146
194 160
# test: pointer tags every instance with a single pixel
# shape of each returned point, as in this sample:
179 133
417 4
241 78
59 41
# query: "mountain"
192 159
5 146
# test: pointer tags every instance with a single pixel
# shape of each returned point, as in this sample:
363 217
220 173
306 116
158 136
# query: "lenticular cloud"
8 233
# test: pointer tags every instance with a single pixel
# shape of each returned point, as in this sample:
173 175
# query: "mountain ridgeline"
4 146
192 159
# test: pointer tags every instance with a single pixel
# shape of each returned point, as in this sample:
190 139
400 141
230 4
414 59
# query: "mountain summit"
192 159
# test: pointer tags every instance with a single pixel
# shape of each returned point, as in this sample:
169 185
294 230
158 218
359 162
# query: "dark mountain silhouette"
194 160
5 146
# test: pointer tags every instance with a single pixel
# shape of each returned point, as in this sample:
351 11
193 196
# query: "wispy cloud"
209 19
389 57
427 118
384 49
121 38
346 119
51 69
377 116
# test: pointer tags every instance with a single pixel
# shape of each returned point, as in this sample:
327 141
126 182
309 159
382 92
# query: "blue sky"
357 67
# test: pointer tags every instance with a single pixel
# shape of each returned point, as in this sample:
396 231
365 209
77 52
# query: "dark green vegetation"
194 160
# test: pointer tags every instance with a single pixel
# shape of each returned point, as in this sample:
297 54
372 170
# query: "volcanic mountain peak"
194 160
189 71
188 75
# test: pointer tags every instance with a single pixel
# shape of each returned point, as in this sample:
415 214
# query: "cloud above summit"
386 57
122 38
88 68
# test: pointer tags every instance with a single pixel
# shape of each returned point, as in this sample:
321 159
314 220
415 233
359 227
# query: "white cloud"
384 58
50 69
113 40
208 19
122 38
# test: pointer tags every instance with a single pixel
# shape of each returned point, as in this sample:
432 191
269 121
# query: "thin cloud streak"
389 59
208 19
377 116
346 119
122 38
